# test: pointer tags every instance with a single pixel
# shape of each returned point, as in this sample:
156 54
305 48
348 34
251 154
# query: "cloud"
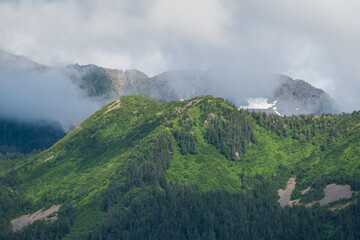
42 95
314 40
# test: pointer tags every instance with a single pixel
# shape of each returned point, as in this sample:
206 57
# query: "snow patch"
274 108
258 103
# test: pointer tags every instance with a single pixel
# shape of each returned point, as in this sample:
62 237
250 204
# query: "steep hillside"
140 169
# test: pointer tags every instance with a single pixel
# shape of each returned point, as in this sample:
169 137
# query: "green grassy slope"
136 145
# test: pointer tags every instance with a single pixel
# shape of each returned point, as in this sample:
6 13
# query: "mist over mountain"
13 63
27 136
304 98
291 96
32 91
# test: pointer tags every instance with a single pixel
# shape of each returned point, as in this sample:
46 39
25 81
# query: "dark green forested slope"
199 169
27 136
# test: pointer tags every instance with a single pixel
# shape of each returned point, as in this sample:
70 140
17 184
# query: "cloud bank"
49 94
313 40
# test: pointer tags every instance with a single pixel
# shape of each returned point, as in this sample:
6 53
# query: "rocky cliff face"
109 84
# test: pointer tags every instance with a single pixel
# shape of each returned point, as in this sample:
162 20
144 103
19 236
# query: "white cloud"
198 21
316 40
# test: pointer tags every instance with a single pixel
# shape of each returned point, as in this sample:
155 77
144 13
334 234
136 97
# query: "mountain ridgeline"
196 169
91 85
290 96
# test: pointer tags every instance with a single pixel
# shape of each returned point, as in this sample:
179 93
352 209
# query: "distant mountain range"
102 85
289 97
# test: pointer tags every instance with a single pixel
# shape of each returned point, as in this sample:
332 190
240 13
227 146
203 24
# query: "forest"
199 169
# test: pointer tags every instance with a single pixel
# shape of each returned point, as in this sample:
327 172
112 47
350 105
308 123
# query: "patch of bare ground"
342 206
19 223
303 192
113 106
334 192
52 156
189 104
294 202
285 195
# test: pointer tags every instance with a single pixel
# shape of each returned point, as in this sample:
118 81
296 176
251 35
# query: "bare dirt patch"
189 104
303 192
334 192
19 223
285 195
113 106
51 157
294 202
339 207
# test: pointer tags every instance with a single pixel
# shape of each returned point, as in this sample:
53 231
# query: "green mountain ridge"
197 169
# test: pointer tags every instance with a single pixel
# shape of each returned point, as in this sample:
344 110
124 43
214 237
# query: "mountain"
294 97
304 98
22 135
196 169
288 97
109 84
102 85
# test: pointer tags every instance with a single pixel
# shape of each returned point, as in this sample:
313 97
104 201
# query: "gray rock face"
109 84
299 97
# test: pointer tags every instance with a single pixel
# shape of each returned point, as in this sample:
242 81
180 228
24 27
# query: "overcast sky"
315 40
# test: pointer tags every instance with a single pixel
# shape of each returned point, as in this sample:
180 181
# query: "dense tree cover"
307 127
184 213
184 136
170 211
199 169
230 133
